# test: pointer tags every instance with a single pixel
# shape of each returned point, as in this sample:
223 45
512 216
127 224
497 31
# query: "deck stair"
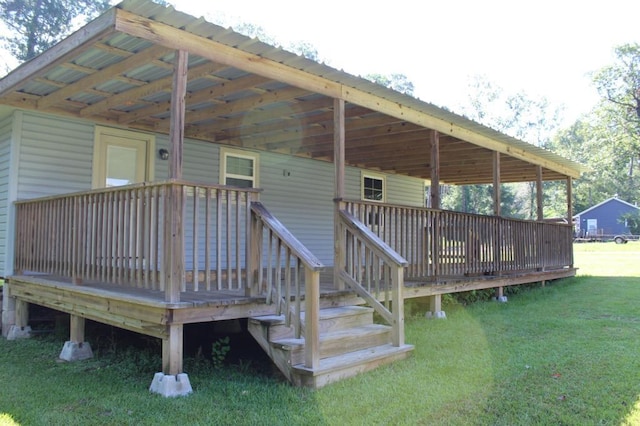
350 343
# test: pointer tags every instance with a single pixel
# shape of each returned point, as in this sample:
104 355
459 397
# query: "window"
373 187
239 169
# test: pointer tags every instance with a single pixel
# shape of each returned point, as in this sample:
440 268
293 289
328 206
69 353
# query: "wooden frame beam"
168 36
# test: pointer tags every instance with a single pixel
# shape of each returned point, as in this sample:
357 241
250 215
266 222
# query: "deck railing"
288 272
123 235
446 243
373 270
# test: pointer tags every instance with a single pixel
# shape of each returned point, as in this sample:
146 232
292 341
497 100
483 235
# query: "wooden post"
339 166
172 350
539 200
176 129
254 277
570 212
174 243
312 318
397 289
570 200
77 324
434 191
497 210
22 313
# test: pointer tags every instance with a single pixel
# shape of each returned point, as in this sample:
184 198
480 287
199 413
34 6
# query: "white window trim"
383 178
226 152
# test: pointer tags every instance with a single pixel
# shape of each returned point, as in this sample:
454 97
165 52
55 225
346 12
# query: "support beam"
539 198
434 192
173 241
76 349
172 381
435 307
76 328
20 328
339 146
497 210
339 167
500 297
570 200
176 131
172 350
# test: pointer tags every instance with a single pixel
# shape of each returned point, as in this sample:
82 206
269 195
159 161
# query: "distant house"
604 218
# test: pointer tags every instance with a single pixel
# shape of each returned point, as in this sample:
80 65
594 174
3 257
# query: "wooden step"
340 367
340 318
337 342
350 343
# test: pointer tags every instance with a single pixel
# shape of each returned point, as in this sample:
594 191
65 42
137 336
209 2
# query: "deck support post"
15 316
76 349
172 381
435 308
500 297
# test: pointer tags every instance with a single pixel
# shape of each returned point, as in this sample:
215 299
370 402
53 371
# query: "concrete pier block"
170 386
74 351
16 332
436 315
501 299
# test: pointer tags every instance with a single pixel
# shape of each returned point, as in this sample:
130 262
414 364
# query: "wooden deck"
146 311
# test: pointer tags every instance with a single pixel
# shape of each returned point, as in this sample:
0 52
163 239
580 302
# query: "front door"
122 157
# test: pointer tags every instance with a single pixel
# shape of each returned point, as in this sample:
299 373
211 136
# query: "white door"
592 227
122 157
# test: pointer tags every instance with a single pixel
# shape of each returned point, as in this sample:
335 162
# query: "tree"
39 24
632 221
619 86
397 82
531 119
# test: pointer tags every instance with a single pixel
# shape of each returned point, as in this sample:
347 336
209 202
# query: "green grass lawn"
563 354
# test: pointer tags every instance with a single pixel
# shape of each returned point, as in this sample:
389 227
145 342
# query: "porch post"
570 200
174 244
435 301
339 166
172 381
539 200
570 211
434 189
497 210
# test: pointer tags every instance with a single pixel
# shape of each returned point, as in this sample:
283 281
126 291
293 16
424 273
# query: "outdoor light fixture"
164 154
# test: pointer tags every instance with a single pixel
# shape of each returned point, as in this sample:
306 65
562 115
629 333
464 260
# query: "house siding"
56 157
6 129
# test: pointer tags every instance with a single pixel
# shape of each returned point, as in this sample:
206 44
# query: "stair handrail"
282 240
370 262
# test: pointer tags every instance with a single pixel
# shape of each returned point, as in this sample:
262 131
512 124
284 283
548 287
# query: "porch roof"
118 70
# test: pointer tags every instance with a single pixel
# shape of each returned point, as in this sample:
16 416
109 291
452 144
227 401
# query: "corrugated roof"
101 55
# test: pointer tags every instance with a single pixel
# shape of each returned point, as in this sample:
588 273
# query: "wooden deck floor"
226 299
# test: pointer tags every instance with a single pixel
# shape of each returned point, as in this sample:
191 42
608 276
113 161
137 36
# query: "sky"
544 48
